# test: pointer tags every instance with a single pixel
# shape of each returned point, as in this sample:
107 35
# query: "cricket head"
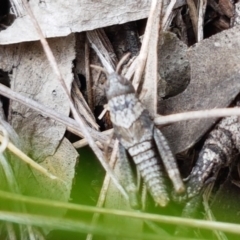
118 85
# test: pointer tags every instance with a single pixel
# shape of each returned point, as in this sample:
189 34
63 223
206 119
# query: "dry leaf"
214 83
33 77
60 18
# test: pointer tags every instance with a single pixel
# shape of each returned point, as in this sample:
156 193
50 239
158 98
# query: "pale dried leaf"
33 77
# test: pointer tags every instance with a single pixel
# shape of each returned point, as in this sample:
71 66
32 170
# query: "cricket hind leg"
168 160
129 177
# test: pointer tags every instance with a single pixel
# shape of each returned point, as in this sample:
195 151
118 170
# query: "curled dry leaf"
60 18
214 84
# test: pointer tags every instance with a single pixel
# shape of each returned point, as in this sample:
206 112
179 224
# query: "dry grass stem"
78 118
103 48
203 224
82 106
142 57
151 67
103 112
167 14
209 215
201 14
212 113
27 159
104 189
121 62
4 139
83 142
193 15
71 124
88 76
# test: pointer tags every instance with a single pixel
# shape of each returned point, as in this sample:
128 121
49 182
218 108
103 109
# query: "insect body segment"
218 151
138 135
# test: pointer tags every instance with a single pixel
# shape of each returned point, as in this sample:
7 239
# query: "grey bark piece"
214 83
34 78
60 18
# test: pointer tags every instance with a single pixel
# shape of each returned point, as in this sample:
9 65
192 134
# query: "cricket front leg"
168 160
129 181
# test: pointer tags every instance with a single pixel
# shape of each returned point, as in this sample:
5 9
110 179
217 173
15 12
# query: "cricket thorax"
125 110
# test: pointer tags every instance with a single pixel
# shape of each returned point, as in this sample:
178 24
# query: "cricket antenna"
123 59
99 68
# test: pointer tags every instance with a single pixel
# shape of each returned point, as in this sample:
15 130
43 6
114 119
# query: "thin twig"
83 142
71 124
122 60
209 215
167 14
142 57
104 189
201 14
193 15
80 122
88 76
27 159
151 67
212 113
178 117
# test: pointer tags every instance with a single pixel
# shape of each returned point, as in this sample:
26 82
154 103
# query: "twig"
209 215
178 117
193 15
151 67
142 57
105 185
103 48
212 113
201 13
167 14
71 124
82 106
88 76
27 159
83 142
80 122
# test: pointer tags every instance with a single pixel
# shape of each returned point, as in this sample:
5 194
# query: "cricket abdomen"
147 162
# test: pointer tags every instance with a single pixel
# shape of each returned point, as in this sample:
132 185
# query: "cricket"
140 140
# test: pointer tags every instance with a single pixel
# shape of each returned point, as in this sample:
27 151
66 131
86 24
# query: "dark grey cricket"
142 140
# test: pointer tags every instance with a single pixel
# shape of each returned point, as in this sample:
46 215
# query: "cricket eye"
124 81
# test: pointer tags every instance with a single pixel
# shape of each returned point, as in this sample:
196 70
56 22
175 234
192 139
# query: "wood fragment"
193 15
